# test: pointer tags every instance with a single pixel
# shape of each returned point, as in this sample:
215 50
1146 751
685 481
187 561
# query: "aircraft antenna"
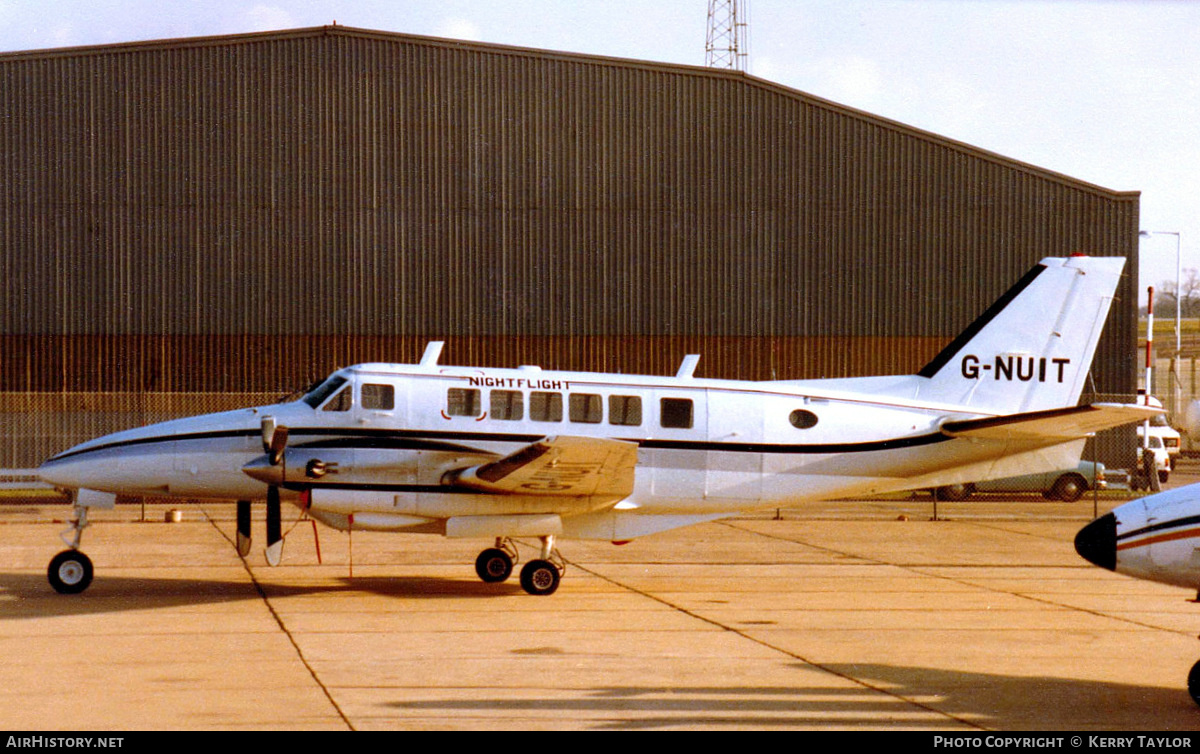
728 43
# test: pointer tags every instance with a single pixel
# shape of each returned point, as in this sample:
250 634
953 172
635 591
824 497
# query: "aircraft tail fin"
1032 349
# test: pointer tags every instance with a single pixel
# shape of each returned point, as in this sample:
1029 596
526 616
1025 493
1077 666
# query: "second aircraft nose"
1097 542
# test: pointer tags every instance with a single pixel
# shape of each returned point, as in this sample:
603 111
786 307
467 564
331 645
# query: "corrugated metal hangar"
247 213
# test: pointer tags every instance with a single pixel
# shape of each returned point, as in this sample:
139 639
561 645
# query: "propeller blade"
274 553
268 432
274 439
243 527
278 444
274 528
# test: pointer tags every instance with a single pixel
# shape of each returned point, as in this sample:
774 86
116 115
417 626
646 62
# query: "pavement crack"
923 570
781 650
266 600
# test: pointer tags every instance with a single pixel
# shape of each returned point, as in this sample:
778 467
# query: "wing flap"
1054 425
559 466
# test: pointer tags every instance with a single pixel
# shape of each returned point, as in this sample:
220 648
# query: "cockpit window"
323 391
341 401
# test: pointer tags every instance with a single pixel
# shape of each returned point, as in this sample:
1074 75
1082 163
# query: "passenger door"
734 467
678 416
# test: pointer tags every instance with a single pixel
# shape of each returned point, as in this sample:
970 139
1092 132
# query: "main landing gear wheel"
540 577
494 565
70 572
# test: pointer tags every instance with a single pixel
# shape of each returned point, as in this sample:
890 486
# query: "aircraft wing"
1052 425
564 465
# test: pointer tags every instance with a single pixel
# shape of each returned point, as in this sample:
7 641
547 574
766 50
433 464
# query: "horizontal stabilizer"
563 465
1054 425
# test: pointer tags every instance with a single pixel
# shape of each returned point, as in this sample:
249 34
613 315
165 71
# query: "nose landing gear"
70 571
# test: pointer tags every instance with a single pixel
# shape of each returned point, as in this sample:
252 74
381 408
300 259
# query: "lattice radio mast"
728 43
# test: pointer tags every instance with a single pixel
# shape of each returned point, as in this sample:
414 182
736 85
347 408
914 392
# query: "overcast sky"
1107 91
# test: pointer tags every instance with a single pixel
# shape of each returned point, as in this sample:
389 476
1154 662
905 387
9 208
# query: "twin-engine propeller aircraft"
1156 538
526 453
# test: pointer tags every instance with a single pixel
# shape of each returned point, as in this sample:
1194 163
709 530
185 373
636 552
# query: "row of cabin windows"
582 408
509 405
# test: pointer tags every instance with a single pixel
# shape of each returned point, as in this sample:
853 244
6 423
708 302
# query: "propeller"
274 440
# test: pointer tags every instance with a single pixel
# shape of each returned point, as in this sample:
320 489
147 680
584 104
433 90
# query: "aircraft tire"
1194 683
70 572
540 578
493 565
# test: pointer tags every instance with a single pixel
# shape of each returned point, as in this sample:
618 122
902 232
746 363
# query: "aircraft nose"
1097 542
60 473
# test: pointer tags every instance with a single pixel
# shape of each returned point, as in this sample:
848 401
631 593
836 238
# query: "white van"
1170 438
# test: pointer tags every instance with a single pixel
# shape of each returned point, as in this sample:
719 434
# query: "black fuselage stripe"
367 438
157 439
1162 526
440 489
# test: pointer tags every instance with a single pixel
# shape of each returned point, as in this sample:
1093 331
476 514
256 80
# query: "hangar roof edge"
493 48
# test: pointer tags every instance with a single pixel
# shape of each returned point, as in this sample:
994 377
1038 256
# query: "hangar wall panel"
247 213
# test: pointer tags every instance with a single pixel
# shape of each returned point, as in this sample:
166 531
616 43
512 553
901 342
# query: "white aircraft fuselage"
500 453
703 446
1155 538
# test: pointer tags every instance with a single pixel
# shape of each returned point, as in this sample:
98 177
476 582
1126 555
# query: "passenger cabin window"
675 413
508 405
586 409
378 397
625 410
462 402
342 401
545 407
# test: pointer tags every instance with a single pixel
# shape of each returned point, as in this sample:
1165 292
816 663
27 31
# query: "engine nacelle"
354 501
